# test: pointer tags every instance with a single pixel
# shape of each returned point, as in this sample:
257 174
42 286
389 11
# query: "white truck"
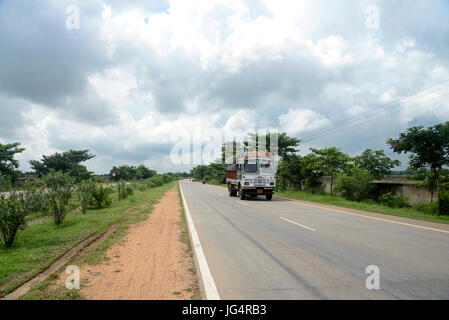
250 174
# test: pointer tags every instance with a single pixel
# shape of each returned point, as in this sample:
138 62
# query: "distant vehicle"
251 174
204 181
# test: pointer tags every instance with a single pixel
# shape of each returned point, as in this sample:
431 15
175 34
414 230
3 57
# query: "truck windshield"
250 167
266 167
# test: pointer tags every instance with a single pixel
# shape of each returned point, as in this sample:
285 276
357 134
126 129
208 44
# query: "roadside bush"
85 191
389 199
443 200
59 189
42 202
314 185
167 178
356 185
5 182
120 190
156 181
14 207
369 201
428 208
124 190
129 191
432 208
100 197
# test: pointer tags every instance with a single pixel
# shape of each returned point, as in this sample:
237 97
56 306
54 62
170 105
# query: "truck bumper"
257 191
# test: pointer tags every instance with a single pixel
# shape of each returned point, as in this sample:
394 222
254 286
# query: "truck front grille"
260 182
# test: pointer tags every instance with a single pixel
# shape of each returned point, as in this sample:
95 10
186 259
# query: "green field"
41 243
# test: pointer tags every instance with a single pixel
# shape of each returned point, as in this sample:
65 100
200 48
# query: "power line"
393 104
367 117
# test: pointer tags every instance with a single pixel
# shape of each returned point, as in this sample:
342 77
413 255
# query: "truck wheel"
241 194
230 191
269 196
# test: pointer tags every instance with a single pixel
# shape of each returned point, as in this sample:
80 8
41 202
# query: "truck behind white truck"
251 174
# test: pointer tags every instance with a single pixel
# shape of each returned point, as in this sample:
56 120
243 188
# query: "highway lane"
282 249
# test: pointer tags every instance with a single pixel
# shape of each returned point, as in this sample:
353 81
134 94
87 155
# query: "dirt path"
149 263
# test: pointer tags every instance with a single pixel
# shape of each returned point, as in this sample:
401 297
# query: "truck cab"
251 175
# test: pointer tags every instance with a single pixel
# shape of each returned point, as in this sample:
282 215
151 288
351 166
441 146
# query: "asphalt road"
280 249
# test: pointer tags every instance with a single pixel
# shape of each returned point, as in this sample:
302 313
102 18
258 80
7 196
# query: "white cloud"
296 122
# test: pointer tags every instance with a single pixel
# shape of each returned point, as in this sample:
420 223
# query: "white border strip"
208 282
369 217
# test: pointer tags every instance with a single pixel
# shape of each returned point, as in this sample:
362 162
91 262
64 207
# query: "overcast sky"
134 78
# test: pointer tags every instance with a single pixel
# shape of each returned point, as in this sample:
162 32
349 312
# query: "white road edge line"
208 282
374 218
240 202
298 224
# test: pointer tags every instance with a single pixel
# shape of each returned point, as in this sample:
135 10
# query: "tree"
332 162
59 190
68 162
143 172
376 162
356 185
443 199
14 207
312 171
286 145
429 147
8 164
124 172
290 172
84 190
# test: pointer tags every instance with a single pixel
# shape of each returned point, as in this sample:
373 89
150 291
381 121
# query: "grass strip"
407 212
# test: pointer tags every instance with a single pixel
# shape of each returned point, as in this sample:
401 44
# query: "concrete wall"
409 189
393 184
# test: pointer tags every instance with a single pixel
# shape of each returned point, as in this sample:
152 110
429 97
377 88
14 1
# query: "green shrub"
443 201
14 207
41 202
85 190
156 181
166 178
129 191
59 190
124 190
428 208
432 208
121 193
356 185
393 201
369 201
5 182
100 197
